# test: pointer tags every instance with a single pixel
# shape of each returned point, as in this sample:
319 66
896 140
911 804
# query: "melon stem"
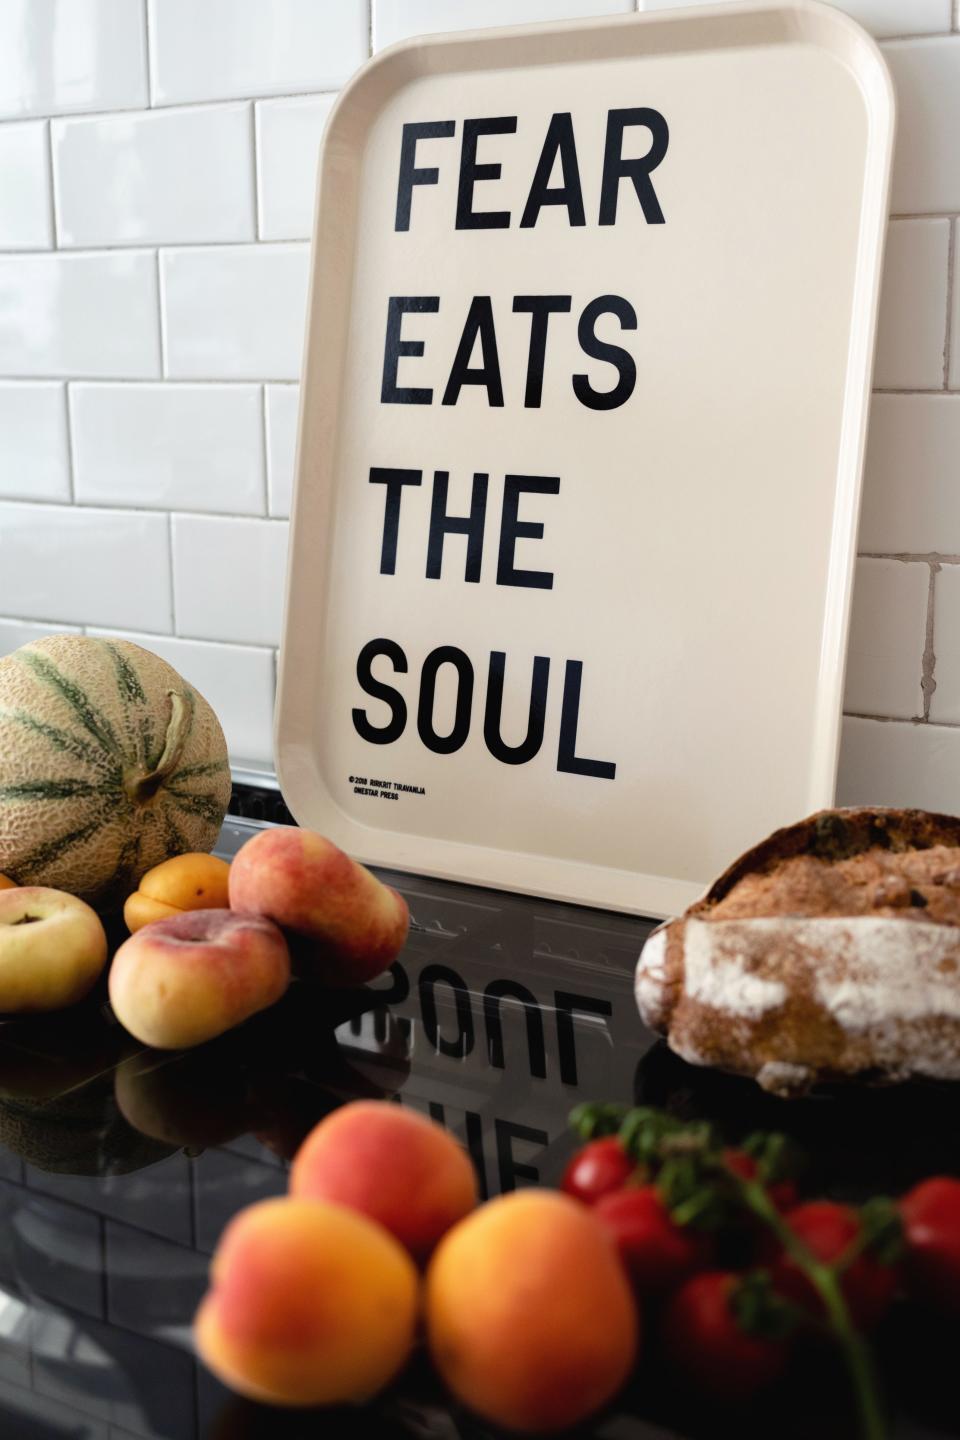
144 787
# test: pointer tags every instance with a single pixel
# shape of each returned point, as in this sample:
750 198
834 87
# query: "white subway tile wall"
169 446
228 578
93 314
912 328
288 143
85 566
58 56
887 635
224 48
157 168
26 214
34 449
163 176
14 633
234 312
283 402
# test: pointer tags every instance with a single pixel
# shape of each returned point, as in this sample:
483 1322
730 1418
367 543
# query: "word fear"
559 149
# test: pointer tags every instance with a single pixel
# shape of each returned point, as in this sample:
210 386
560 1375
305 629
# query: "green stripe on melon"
109 763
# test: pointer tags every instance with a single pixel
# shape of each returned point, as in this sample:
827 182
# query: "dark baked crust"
900 863
829 951
838 835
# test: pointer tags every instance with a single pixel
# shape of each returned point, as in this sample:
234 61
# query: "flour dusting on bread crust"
720 972
832 951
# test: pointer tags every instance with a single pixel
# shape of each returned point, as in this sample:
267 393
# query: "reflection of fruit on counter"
182 1101
52 949
356 925
310 1304
391 1164
80 1132
530 1317
109 763
182 981
184 882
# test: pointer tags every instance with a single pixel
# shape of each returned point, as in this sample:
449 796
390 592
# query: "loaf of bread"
831 951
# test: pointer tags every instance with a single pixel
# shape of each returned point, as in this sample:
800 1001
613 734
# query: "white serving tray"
702 535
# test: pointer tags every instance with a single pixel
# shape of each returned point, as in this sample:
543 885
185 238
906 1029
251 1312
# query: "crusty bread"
830 951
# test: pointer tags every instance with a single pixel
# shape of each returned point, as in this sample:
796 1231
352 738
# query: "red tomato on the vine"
657 1253
705 1341
599 1168
931 1227
783 1193
829 1230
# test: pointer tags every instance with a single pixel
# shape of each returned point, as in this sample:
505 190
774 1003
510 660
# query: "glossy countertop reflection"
120 1167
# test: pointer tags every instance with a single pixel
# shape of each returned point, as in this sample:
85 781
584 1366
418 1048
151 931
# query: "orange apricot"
195 881
391 1164
310 1304
6 883
530 1318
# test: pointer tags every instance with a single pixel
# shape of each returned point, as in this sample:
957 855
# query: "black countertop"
120 1167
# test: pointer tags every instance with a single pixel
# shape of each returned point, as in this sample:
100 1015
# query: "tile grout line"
922 215
124 112
917 557
928 683
114 508
173 576
51 192
95 627
174 381
146 52
141 247
915 721
257 177
910 390
264 450
951 281
161 318
71 446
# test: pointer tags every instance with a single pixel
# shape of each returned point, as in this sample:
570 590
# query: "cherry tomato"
931 1224
599 1168
704 1339
657 1253
783 1193
828 1230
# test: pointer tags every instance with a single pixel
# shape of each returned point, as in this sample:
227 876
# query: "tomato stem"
823 1278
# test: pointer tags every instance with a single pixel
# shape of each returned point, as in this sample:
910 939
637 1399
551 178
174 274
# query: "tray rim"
299 662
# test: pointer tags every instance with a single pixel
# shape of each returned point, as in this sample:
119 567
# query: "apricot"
6 883
195 881
393 1165
356 924
181 981
311 1304
530 1319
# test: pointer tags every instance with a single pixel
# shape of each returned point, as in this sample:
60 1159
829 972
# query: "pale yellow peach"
181 981
52 948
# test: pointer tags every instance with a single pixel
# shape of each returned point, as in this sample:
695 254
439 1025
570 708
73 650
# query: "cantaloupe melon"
109 763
